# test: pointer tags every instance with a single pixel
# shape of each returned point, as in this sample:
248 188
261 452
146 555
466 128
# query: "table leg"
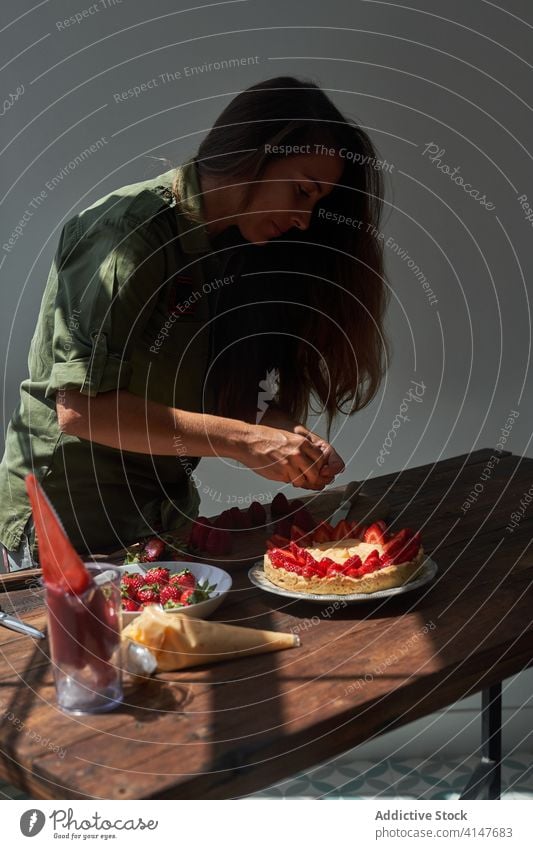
485 782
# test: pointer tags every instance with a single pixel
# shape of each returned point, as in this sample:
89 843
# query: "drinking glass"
84 633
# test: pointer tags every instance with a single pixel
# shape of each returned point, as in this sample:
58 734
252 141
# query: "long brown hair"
311 303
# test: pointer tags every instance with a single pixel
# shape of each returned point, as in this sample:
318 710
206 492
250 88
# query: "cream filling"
339 551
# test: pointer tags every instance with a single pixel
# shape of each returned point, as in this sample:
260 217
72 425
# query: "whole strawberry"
130 584
170 595
184 579
148 595
153 550
157 575
130 604
188 597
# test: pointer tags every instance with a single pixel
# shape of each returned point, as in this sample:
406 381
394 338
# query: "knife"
15 624
351 491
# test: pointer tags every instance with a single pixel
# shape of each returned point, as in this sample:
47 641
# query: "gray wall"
450 74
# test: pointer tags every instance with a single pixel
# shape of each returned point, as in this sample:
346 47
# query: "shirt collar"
190 213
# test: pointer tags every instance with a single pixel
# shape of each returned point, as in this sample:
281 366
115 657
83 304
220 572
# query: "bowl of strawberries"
190 589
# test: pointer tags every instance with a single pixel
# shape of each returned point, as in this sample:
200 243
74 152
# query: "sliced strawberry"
218 542
199 532
280 559
245 519
279 506
398 539
326 562
386 560
407 553
320 534
239 518
275 557
234 515
403 546
222 521
283 527
302 555
374 534
372 557
357 529
321 569
303 519
354 562
276 540
257 513
353 572
301 536
323 532
342 530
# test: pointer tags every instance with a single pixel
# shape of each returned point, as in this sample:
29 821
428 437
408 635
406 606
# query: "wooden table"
230 729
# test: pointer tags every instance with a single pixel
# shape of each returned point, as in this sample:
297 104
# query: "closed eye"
304 193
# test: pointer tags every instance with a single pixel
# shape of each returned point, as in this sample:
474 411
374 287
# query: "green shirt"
127 305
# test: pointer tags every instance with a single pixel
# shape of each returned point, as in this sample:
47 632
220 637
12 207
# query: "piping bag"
156 641
82 626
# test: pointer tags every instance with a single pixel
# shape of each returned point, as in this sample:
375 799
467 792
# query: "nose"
301 220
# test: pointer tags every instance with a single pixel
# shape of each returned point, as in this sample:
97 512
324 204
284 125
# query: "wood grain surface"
230 729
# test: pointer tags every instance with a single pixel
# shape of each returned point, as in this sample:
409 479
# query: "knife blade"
9 621
351 491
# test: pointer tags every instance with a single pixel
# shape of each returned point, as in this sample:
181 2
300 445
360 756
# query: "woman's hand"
333 463
280 455
330 464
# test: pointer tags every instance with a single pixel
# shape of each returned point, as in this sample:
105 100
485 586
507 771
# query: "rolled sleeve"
108 281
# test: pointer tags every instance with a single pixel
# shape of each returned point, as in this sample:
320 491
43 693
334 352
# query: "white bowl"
201 571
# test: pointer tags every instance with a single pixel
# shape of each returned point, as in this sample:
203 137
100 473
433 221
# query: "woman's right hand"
280 455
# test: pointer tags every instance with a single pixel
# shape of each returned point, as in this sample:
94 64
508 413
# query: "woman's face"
286 195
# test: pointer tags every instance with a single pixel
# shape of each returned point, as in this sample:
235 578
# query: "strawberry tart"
364 560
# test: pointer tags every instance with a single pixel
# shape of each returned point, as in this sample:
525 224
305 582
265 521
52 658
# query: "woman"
175 306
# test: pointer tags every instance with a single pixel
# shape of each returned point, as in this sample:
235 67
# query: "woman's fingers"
305 472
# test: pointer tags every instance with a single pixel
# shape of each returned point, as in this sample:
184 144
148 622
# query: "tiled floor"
394 778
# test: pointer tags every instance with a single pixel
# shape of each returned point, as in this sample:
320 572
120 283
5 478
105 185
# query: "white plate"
258 577
201 571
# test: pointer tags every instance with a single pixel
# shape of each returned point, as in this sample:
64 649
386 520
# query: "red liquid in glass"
84 630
